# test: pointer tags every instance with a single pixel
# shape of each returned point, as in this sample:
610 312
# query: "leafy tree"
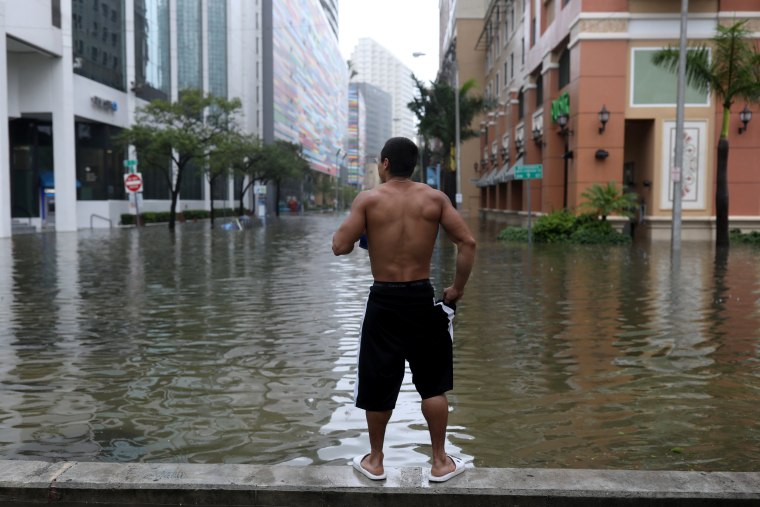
181 132
279 161
435 109
732 73
608 200
239 154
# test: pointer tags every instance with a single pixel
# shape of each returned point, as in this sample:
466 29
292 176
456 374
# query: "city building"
377 66
461 22
573 88
369 126
73 73
305 82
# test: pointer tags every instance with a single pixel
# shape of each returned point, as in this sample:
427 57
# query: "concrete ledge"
29 483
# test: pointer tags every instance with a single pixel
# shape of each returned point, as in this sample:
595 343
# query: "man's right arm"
460 235
352 227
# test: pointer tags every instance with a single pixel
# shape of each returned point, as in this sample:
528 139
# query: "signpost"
131 165
529 172
133 183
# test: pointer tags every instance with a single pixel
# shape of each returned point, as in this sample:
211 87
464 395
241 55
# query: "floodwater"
240 347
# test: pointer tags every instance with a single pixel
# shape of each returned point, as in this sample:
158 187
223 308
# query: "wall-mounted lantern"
745 116
562 122
604 117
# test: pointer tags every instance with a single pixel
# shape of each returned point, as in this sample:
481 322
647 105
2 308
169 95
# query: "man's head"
401 155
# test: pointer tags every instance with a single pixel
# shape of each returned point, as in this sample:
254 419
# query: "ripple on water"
217 347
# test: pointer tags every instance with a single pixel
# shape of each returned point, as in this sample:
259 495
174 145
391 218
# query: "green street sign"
130 163
529 172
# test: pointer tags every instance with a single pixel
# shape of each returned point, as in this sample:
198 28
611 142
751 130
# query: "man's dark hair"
402 156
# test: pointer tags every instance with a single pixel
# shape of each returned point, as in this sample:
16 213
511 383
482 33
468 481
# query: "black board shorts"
403 322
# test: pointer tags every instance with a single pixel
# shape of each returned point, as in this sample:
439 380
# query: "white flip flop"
458 469
357 464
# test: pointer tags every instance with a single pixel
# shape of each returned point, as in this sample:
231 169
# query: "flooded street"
240 347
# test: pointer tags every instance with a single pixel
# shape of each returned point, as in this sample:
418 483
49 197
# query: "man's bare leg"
376 424
436 412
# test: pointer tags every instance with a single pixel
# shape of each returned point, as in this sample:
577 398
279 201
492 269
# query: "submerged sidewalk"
27 483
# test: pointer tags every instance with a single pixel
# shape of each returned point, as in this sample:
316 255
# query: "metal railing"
110 223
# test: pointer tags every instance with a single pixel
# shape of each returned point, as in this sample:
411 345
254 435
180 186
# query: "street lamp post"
337 176
452 55
457 141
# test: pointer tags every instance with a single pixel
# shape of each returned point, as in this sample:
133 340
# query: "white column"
64 150
5 157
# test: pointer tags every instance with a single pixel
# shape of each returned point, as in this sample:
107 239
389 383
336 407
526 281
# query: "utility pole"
456 127
676 173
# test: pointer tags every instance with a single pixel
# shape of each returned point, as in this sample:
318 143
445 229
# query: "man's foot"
455 466
375 473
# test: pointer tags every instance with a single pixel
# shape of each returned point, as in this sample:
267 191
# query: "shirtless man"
402 322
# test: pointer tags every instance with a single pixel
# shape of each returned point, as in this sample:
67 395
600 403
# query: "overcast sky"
401 26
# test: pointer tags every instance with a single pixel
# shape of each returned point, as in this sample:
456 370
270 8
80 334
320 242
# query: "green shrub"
556 227
599 232
193 214
564 227
514 234
749 238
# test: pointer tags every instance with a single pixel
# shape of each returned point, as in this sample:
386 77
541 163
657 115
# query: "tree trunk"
211 200
721 195
242 194
175 194
173 209
277 198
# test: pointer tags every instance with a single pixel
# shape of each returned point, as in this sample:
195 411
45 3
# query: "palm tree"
604 201
435 110
732 73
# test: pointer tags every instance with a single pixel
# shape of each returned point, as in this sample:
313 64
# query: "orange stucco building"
543 58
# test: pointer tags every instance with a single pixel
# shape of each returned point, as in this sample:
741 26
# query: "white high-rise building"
377 66
72 75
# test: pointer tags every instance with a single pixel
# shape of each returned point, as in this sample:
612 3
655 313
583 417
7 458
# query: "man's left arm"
352 227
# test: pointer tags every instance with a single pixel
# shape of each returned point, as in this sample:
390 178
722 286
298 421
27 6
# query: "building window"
217 47
539 90
522 51
533 32
98 162
654 86
511 66
152 60
190 44
97 64
506 68
564 68
56 6
521 104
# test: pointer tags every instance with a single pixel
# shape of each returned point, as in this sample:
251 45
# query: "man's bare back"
401 219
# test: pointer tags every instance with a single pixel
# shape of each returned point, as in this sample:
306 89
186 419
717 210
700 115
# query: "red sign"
133 182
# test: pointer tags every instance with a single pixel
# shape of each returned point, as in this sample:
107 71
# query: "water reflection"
240 347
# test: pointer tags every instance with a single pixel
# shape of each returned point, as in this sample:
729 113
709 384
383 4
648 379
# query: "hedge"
153 217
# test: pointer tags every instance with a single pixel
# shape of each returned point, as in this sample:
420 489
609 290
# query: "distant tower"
377 66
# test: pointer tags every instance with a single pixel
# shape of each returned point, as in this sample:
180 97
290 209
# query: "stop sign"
133 182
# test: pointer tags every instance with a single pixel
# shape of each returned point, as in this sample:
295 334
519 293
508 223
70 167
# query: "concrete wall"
28 483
